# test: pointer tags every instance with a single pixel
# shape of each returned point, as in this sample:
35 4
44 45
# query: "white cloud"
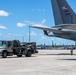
21 24
29 23
3 13
2 27
32 33
43 21
38 24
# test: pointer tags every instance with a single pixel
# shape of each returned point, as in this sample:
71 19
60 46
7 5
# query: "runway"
46 62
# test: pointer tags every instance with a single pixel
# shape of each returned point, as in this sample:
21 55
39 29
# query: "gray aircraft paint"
63 14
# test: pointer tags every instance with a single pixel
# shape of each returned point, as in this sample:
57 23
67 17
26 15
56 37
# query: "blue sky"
17 15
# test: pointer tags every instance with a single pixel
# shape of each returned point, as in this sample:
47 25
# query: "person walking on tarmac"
72 47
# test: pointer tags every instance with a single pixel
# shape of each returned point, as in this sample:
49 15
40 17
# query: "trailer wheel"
4 54
19 55
28 54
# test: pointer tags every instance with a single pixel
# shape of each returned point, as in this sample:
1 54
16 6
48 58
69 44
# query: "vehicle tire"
28 54
19 55
4 54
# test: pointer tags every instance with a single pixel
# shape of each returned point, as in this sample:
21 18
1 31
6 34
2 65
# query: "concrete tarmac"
46 62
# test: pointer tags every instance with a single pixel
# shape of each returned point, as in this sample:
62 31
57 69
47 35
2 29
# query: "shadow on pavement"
14 57
68 59
56 54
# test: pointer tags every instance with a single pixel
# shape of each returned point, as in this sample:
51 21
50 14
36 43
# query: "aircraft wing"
66 26
52 30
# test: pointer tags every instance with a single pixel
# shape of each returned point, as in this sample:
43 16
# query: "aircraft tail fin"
63 13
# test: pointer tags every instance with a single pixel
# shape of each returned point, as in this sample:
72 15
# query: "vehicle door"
10 46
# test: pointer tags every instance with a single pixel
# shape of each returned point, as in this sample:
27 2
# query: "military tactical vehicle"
10 48
31 45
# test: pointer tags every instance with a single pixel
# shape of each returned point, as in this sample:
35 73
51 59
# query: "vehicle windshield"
2 43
